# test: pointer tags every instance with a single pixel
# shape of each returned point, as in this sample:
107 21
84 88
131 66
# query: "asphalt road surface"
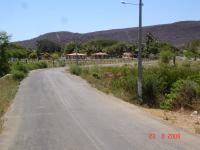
54 110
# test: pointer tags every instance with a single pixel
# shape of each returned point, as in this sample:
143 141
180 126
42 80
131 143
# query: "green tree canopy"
118 49
47 46
4 65
152 45
16 51
193 49
72 47
98 45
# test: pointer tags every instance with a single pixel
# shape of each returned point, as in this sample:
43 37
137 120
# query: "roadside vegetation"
166 87
20 70
8 89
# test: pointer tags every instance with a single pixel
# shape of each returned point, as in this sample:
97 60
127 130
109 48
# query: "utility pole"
76 50
140 51
76 55
139 48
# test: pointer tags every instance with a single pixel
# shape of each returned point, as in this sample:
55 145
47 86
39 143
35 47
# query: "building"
76 55
100 55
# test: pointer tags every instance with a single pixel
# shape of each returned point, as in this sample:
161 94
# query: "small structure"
75 55
127 55
99 55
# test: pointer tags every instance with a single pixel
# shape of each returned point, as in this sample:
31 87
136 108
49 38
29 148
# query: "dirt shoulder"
180 119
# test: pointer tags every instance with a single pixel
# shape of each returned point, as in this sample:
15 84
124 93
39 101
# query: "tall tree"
151 45
98 45
72 47
16 51
193 49
4 64
47 46
117 49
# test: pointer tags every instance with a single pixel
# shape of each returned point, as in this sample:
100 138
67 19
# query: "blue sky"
25 19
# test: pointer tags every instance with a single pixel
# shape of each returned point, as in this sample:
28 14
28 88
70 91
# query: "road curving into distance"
54 110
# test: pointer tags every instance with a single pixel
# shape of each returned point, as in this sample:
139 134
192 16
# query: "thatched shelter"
99 55
75 55
127 55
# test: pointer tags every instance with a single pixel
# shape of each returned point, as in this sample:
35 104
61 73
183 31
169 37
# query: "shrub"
20 70
96 75
61 63
37 65
75 69
168 87
18 75
20 67
40 65
182 94
151 89
165 56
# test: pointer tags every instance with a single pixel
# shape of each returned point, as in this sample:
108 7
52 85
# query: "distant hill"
177 33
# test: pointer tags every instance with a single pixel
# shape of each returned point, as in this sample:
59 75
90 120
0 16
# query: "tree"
117 49
4 64
16 51
46 55
151 45
47 46
98 45
33 55
72 47
193 49
54 56
165 56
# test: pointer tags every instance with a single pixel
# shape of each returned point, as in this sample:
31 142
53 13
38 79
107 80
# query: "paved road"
57 111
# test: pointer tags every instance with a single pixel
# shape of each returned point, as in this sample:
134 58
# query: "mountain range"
178 34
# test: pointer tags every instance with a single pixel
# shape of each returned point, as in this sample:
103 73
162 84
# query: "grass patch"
8 88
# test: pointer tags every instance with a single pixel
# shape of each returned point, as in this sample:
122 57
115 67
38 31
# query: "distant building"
127 55
100 55
75 55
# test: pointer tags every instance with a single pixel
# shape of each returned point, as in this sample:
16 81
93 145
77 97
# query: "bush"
165 56
37 65
75 69
40 65
18 75
151 89
182 94
61 63
20 70
20 67
96 75
167 87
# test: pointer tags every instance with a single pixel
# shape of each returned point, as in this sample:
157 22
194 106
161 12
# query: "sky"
26 19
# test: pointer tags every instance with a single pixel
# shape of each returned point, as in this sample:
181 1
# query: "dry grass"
180 119
197 129
8 89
